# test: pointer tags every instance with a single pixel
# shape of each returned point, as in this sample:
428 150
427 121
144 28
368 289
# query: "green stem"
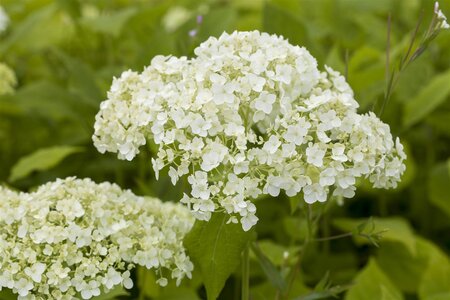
245 273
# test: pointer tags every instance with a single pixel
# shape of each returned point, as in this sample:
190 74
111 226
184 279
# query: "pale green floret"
250 115
73 239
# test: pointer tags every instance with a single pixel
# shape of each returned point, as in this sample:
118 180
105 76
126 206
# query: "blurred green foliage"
66 52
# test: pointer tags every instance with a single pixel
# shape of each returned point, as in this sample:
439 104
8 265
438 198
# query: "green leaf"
372 284
439 186
281 20
436 278
396 260
41 160
82 79
396 229
112 23
269 269
115 293
429 98
7 294
215 248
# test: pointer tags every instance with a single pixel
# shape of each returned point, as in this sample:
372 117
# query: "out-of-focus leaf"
41 29
42 159
439 186
436 278
217 21
429 98
439 120
111 23
277 254
396 229
215 248
52 102
330 292
269 269
396 260
82 79
372 284
281 20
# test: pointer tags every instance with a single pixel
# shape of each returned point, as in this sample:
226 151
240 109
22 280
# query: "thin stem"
245 273
334 237
346 64
388 47
296 269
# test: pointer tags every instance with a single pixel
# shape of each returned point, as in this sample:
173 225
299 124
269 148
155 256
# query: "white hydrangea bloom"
4 19
251 114
73 239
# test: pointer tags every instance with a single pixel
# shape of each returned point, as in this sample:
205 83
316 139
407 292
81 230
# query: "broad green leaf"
428 99
396 260
7 294
115 293
179 293
395 229
372 284
42 159
215 248
111 23
435 284
272 273
439 186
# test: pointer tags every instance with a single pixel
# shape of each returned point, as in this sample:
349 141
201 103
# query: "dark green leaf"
439 186
215 247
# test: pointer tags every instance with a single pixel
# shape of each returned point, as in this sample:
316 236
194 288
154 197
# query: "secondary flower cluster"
74 238
7 80
250 115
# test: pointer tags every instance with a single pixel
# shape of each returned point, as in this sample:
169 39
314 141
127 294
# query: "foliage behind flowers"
251 114
64 54
74 238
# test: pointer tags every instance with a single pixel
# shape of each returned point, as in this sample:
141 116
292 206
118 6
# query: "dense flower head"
7 80
74 238
249 115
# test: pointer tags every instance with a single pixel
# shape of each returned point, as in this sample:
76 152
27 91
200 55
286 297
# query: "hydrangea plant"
74 238
249 115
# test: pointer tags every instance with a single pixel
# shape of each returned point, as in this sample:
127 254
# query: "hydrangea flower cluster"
74 238
250 115
7 80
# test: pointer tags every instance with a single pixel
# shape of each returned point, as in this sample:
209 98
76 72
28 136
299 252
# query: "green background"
65 54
